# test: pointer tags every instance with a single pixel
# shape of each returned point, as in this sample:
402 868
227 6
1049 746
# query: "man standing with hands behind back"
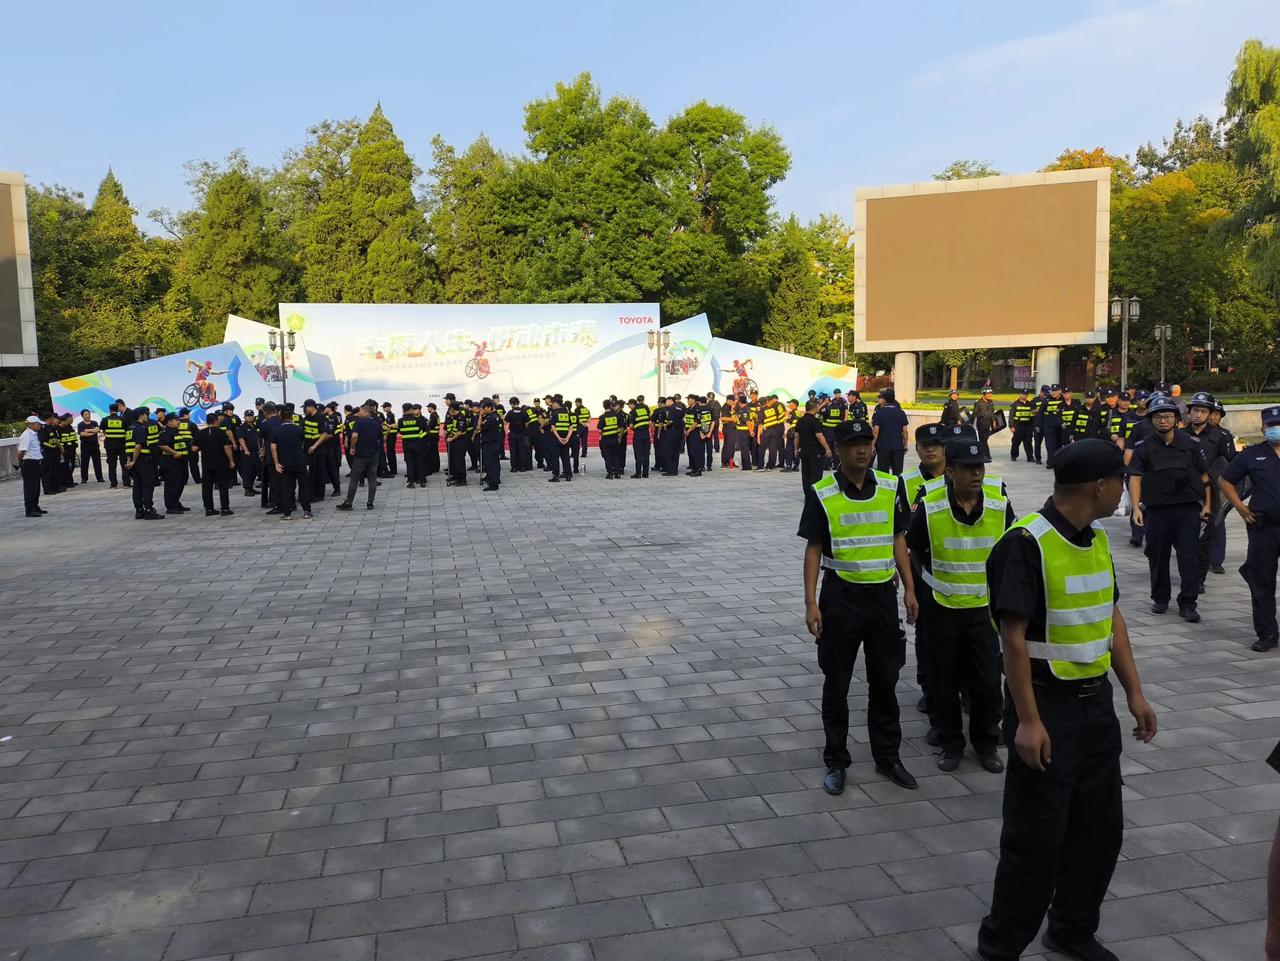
1053 597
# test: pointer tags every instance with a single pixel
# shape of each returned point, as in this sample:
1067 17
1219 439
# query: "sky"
862 93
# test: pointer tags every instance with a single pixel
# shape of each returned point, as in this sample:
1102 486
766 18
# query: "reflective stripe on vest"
913 480
310 429
1079 601
562 421
113 428
832 416
958 552
861 530
641 417
410 428
153 436
609 425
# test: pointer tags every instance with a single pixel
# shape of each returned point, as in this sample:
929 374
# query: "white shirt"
29 444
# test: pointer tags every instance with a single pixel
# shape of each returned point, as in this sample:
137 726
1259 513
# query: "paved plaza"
565 722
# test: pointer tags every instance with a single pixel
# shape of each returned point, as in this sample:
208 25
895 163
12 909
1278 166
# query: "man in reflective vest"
932 463
641 417
1053 597
854 522
411 440
1021 415
953 530
114 430
611 434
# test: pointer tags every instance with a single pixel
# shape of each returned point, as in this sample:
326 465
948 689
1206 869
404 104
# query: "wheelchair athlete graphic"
202 393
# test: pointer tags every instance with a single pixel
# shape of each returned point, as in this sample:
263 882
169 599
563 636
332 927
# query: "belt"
1085 687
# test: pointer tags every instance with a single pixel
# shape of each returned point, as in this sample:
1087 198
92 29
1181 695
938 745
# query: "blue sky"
862 93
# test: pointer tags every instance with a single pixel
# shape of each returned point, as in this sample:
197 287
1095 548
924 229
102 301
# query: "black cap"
959 432
929 434
965 451
1089 459
1111 392
852 430
171 415
1089 393
183 410
259 400
406 406
1271 417
487 402
450 396
309 402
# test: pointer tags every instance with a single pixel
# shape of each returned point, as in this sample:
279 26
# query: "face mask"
1273 434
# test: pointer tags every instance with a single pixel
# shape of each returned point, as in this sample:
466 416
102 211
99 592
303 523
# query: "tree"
231 260
1253 103
1200 141
1121 169
967 169
795 300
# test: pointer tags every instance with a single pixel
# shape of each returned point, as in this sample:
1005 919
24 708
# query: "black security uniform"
1172 499
1260 465
1219 446
173 467
640 420
215 469
114 430
143 471
411 440
491 447
249 464
518 437
1021 415
854 616
1062 826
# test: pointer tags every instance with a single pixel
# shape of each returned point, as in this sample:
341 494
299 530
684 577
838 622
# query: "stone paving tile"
438 731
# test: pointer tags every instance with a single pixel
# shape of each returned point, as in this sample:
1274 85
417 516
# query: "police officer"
953 530
1169 486
1260 463
984 418
142 467
1219 448
114 429
490 443
1051 420
1060 635
175 451
854 523
1021 415
951 410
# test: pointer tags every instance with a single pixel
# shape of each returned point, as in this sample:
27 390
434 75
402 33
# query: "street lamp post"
839 335
143 352
1164 333
661 341
1124 310
279 339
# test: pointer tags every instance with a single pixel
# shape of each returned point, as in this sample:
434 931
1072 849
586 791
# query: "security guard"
857 407
1169 486
1021 415
229 417
90 454
389 431
1134 426
562 434
1219 448
501 411
114 429
674 434
932 463
175 451
854 522
1260 463
188 432
411 442
490 444
314 434
610 427
789 460
142 465
746 417
248 443
833 415
431 440
582 415
1051 420
67 432
952 533
1070 409
537 444
51 447
641 418
1037 422
1087 423
1060 635
517 420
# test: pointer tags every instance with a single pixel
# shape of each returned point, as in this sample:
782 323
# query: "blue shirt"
368 435
891 419
1261 465
288 441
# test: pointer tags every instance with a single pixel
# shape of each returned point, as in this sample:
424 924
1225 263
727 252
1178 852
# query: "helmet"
1160 404
1203 398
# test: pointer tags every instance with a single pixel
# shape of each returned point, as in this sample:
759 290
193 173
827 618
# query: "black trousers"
363 470
560 458
890 460
390 444
1258 571
219 477
1052 439
518 442
867 618
30 485
1021 442
250 466
431 454
693 450
115 455
640 447
317 471
193 464
174 471
333 457
268 478
1062 826
610 454
89 453
1173 530
295 486
962 650
491 461
458 460
144 484
50 474
415 468
812 467
771 439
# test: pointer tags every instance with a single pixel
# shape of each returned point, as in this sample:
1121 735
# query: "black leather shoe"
1087 950
1134 543
898 774
948 761
210 513
933 737
34 514
1189 614
833 783
1159 607
991 763
1264 644
344 506
1218 569
226 512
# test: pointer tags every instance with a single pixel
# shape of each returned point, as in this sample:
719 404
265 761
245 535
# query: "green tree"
967 169
795 298
1253 104
1200 141
231 259
1122 173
